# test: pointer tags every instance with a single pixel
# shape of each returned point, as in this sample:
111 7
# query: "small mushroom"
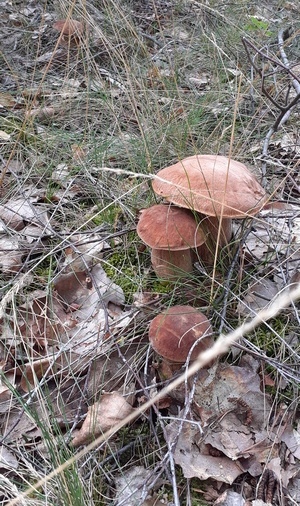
215 186
71 31
176 330
171 232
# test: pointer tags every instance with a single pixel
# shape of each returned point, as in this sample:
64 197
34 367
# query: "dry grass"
147 83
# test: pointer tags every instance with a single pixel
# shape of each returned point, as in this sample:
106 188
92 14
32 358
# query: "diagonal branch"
284 65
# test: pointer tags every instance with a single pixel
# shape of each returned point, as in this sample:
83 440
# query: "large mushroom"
172 232
217 187
178 332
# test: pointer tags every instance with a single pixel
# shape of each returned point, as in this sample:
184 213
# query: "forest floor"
89 413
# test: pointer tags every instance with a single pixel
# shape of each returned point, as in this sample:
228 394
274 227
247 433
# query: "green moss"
123 271
160 286
110 215
266 336
257 26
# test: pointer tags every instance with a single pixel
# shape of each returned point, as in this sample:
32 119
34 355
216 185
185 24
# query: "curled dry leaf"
195 459
274 235
42 113
31 233
102 416
34 371
6 394
42 319
78 288
16 213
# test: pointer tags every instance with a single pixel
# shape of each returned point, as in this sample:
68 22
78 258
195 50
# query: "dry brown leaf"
83 250
258 296
7 399
130 487
108 372
34 371
8 459
277 231
4 136
102 416
66 402
16 424
78 288
31 233
230 498
42 113
79 152
11 254
16 213
235 436
42 319
194 458
7 101
291 437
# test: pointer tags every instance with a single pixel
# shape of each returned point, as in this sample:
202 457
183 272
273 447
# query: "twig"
287 107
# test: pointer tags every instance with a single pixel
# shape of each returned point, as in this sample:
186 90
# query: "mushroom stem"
218 235
171 264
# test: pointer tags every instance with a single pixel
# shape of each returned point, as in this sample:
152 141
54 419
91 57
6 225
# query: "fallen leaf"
102 416
34 371
11 254
4 136
130 487
195 460
230 498
7 101
235 436
77 287
8 459
83 251
258 295
17 213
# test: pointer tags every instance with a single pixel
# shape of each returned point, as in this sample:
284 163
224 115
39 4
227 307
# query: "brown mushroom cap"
168 227
68 27
212 185
173 332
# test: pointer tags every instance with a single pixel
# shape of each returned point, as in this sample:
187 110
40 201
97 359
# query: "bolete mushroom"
215 186
71 31
178 329
171 232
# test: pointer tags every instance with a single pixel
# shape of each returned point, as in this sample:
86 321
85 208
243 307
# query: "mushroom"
171 232
174 332
217 187
70 30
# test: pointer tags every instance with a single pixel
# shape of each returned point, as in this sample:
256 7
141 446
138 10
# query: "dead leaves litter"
237 434
102 416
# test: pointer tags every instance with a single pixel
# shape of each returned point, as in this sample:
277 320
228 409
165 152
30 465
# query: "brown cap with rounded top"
68 27
173 333
169 227
211 184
